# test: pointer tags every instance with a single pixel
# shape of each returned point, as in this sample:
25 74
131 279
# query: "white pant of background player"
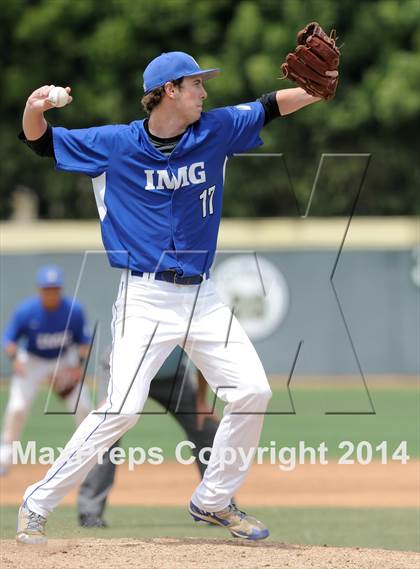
23 389
150 318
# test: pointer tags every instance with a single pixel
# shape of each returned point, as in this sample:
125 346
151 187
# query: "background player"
159 190
46 339
175 389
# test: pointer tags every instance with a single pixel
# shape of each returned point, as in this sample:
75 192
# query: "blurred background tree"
101 47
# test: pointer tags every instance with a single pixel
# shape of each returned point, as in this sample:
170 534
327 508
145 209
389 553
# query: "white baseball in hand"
58 96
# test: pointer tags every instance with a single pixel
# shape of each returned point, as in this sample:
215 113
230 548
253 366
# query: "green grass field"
379 528
397 419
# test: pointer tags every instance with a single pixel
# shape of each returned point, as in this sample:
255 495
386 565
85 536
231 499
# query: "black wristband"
42 146
271 108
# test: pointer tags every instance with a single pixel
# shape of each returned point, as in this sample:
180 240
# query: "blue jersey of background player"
47 323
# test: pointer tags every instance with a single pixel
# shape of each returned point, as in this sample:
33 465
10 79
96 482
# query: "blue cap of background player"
50 276
170 66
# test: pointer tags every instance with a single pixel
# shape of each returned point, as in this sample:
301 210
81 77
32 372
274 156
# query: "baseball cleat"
91 521
30 527
237 522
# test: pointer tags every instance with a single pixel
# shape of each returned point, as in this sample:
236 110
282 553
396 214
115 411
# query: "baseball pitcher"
158 185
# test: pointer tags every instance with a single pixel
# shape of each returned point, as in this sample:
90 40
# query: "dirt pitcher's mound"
189 553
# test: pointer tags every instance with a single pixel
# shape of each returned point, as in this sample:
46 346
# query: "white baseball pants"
149 319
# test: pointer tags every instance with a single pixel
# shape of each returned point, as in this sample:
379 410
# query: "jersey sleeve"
80 329
86 151
242 125
15 328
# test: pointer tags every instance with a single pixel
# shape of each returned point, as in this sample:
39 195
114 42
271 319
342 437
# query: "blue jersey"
43 332
160 213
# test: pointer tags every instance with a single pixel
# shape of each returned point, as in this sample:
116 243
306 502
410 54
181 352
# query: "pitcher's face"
189 98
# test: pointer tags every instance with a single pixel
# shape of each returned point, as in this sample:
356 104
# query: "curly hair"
152 99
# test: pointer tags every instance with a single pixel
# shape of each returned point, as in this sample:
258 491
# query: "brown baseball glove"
66 380
314 63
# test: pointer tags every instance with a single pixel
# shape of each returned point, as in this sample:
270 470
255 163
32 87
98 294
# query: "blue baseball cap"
50 276
170 66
